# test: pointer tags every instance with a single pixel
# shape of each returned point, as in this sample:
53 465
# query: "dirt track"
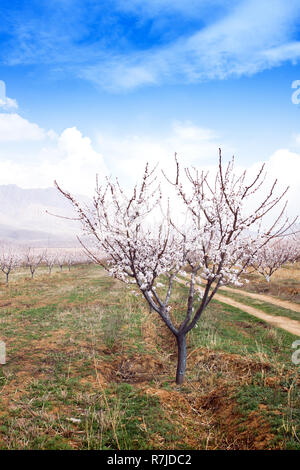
265 298
292 326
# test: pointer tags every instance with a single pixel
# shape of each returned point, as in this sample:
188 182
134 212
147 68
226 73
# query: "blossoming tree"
274 255
142 241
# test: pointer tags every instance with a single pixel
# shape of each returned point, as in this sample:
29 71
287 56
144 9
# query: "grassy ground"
90 368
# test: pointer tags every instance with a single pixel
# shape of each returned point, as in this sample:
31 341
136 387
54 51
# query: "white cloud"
252 37
71 159
121 75
79 162
199 147
8 103
284 165
189 132
68 158
193 144
222 38
14 128
277 55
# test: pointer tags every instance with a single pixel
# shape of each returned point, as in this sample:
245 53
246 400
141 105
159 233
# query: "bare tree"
32 259
75 257
142 241
61 258
49 260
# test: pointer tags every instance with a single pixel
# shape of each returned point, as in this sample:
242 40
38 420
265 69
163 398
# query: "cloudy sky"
102 86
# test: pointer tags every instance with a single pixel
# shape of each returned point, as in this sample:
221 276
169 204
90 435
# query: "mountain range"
25 217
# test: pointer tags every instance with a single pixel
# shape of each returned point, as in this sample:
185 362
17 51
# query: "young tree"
61 258
75 257
142 242
32 259
49 260
9 259
71 258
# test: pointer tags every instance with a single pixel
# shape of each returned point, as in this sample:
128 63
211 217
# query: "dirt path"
292 326
265 298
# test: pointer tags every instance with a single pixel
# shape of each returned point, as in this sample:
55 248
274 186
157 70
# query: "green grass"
223 328
89 368
284 425
137 418
226 328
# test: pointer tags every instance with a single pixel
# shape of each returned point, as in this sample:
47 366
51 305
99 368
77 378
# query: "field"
89 367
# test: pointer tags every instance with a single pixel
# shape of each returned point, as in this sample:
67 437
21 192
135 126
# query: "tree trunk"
7 274
181 360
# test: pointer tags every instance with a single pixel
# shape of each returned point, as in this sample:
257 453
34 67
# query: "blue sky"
106 85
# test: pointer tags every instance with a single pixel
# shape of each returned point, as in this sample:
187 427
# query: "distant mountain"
25 217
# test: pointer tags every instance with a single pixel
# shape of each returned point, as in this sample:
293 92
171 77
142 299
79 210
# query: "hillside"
25 217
